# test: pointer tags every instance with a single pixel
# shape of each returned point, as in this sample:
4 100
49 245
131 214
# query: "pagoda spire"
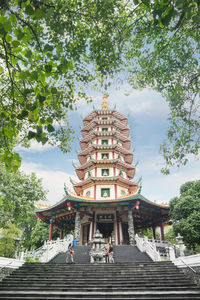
104 104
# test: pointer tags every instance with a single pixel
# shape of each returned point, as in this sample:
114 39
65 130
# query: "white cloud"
35 147
52 180
164 187
139 102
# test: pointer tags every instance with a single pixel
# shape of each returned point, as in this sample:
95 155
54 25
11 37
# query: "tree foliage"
184 211
18 192
8 243
164 53
50 52
39 234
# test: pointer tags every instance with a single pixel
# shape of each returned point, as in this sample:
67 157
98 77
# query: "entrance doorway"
125 233
106 230
86 230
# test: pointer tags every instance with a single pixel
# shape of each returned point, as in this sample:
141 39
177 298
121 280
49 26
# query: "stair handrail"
5 266
51 249
145 246
188 266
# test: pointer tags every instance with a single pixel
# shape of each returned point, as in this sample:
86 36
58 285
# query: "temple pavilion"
106 196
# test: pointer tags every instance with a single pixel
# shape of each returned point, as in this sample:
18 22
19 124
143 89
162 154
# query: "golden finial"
104 104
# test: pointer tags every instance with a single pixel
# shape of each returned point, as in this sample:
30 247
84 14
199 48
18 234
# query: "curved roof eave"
92 201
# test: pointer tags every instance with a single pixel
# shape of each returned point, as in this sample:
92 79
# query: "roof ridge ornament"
65 189
104 104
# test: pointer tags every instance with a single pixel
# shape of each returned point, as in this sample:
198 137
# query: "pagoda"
106 197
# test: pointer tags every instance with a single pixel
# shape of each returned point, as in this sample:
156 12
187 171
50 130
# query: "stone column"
77 230
93 224
131 231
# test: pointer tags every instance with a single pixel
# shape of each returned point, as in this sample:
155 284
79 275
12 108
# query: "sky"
147 115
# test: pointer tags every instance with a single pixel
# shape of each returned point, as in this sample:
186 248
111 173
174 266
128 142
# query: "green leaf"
1 69
13 19
34 75
7 26
23 114
41 98
29 10
49 120
31 134
15 43
47 48
48 68
54 90
8 38
146 2
39 13
50 128
23 75
28 53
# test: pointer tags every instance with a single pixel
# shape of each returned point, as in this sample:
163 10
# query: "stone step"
101 295
95 271
132 297
129 254
96 282
101 281
101 268
101 276
164 263
97 278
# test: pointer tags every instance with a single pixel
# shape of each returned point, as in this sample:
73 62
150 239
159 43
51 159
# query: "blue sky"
148 113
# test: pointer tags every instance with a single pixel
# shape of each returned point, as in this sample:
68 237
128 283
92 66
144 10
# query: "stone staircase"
129 254
81 255
121 281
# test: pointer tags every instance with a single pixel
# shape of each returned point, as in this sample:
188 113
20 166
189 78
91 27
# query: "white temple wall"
99 172
98 191
120 189
123 173
89 190
99 157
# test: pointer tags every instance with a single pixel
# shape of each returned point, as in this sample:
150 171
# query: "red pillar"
50 229
162 231
115 191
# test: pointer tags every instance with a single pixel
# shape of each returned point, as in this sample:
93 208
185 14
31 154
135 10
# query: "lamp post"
179 239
